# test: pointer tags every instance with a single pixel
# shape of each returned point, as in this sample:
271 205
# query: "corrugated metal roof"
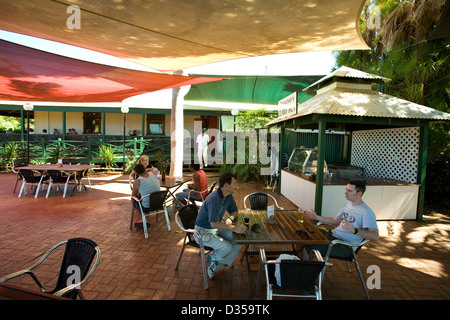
364 103
348 73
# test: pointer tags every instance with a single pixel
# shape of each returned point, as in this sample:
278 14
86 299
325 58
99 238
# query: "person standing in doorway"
202 151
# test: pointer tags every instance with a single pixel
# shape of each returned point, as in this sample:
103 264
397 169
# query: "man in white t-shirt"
354 222
202 149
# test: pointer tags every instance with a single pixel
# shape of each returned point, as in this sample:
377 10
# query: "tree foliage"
254 119
12 123
246 121
419 69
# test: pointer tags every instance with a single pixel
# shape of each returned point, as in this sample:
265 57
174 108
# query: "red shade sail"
28 74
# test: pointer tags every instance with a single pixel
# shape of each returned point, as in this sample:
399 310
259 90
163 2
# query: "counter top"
368 181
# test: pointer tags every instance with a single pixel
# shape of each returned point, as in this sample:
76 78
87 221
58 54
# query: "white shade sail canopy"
177 34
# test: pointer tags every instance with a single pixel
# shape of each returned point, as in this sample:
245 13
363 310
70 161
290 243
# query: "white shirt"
360 216
202 141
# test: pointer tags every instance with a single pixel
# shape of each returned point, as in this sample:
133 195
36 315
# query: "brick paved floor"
413 257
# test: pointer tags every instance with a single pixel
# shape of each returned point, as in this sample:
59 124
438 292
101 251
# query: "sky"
289 64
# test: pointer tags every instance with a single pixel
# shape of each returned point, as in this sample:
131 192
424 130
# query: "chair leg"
361 276
49 188
23 188
15 185
38 187
269 292
144 224
89 180
65 188
181 253
167 218
132 213
318 294
205 276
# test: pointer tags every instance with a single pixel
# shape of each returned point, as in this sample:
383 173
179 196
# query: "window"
155 124
92 122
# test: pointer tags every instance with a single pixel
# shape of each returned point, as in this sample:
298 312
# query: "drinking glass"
300 215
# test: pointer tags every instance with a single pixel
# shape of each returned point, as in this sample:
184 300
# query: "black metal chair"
199 203
60 177
351 258
80 175
157 205
298 278
78 256
35 178
353 249
259 201
185 219
15 169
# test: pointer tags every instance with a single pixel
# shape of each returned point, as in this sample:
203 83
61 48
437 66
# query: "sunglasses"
301 234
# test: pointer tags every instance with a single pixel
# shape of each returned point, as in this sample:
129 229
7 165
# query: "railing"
84 148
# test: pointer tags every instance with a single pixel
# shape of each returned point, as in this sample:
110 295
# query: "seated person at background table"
354 222
200 184
144 184
216 234
148 167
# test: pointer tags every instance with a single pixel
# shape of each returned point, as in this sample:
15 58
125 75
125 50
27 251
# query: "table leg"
245 251
259 277
248 276
171 193
78 186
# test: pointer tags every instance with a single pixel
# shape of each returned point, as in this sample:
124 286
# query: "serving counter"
389 199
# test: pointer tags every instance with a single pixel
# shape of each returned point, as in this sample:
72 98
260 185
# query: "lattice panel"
387 153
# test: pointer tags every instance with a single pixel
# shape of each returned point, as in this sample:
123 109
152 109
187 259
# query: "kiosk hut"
385 145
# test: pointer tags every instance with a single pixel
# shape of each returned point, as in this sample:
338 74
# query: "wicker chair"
353 249
199 203
259 201
298 278
35 178
185 219
157 205
60 177
78 256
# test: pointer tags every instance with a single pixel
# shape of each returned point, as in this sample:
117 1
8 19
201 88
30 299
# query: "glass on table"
246 219
301 213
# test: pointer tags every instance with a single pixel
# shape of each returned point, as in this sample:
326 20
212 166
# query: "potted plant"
9 154
162 163
107 155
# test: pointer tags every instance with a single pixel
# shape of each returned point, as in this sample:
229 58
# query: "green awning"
252 89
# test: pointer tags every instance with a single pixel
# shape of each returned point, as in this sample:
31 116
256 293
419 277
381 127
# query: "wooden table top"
13 292
64 167
171 182
283 232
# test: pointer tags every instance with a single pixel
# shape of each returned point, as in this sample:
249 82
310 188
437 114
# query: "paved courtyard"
413 257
